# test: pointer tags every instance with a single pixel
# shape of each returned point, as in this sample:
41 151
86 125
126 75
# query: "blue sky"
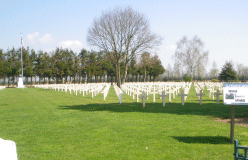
222 25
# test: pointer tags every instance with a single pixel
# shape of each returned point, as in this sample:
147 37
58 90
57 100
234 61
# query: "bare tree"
124 32
190 53
242 72
214 72
145 63
178 67
169 72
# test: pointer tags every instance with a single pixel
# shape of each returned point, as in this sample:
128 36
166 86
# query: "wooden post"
232 124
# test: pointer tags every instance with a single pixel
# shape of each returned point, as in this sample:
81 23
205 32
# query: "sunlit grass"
48 124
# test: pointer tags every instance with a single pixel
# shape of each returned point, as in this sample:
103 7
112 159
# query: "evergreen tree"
83 55
39 67
228 73
27 64
47 66
33 58
2 63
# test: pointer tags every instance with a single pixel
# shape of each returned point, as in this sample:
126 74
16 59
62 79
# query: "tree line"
64 65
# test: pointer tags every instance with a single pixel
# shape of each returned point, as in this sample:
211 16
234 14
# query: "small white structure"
20 83
7 150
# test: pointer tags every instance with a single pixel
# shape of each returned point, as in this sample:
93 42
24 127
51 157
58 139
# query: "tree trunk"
118 74
111 80
8 81
145 76
125 74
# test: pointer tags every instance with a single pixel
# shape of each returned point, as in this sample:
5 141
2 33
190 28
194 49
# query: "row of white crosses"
118 92
134 89
93 88
213 88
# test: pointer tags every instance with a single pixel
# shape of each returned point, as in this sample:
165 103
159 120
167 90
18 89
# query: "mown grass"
48 124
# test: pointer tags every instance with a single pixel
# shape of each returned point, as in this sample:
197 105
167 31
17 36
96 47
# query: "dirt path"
238 121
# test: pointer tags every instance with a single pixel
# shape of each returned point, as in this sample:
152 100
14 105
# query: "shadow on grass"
207 109
203 139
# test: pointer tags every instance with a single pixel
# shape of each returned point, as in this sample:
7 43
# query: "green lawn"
48 124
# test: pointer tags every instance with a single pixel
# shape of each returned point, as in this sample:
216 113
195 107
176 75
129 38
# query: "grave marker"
7 150
143 96
217 95
182 95
200 94
154 93
163 95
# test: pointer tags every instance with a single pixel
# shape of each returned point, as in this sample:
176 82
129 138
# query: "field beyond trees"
47 124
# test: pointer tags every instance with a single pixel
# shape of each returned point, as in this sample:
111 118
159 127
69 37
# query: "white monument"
20 83
7 150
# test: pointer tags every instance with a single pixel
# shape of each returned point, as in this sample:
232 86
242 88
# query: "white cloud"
46 39
74 45
171 47
31 37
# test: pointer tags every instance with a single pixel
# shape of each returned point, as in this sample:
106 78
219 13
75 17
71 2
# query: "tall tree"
190 53
214 72
83 55
145 63
91 65
242 72
47 66
169 72
228 73
27 64
156 67
133 67
123 32
75 66
2 63
39 67
109 65
33 58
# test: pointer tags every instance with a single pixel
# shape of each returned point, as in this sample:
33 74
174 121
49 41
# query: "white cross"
137 92
143 96
154 93
163 95
210 91
200 94
174 90
182 95
169 92
217 95
120 97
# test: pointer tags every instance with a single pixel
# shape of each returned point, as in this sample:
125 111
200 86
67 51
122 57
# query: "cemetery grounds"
48 124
